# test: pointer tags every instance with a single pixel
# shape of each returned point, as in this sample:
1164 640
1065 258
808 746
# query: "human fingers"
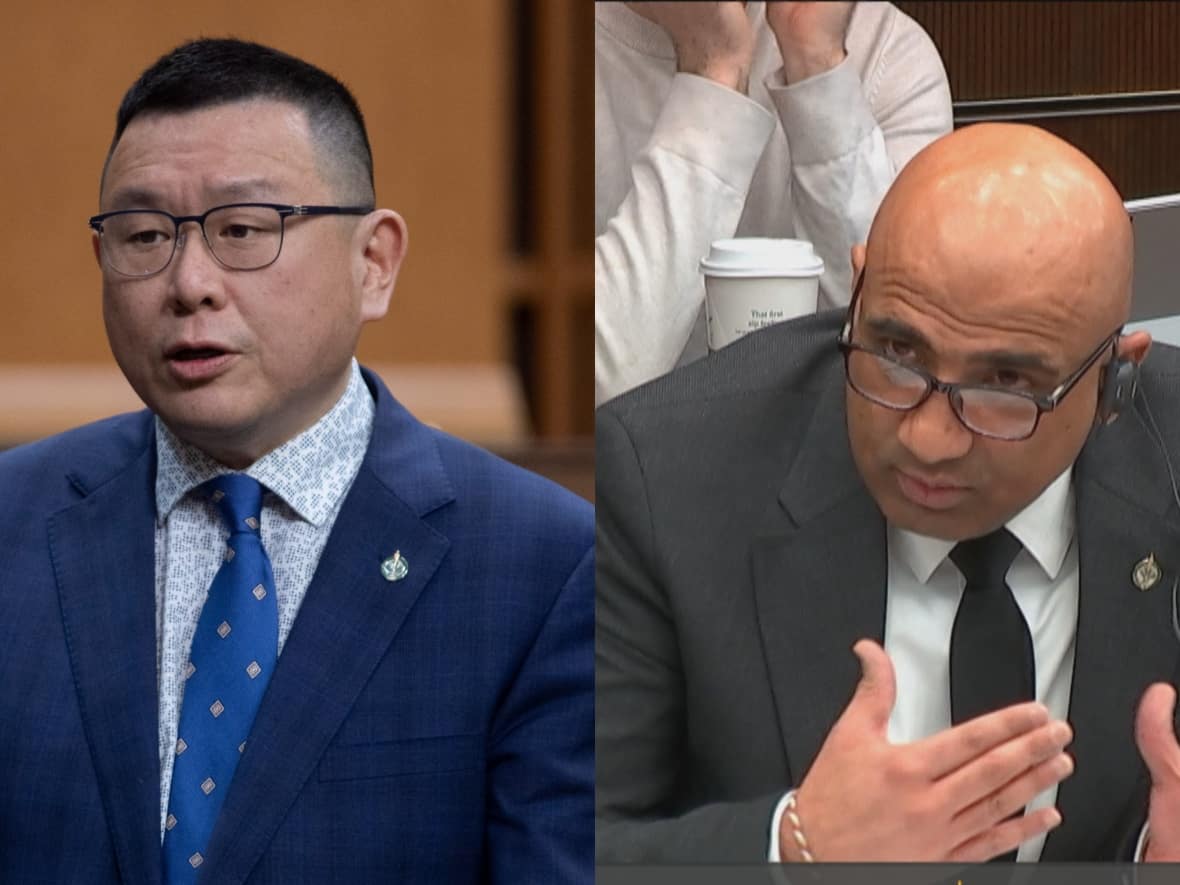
1012 797
988 773
1006 836
1155 735
712 24
952 748
876 692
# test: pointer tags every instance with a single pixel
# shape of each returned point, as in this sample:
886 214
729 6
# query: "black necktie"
991 659
991 648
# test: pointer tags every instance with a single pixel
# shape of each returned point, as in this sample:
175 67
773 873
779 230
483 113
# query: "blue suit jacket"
435 729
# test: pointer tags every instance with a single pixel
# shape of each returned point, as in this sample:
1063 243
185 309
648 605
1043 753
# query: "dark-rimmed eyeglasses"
995 412
240 236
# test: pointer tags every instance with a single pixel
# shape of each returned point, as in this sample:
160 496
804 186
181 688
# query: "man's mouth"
197 361
931 493
186 354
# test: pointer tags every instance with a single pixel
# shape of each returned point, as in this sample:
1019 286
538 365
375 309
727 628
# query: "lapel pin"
1146 574
396 567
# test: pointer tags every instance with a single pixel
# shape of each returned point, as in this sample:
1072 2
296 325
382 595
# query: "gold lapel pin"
1146 573
395 567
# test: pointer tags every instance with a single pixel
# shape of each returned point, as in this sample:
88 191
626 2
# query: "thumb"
1155 735
876 692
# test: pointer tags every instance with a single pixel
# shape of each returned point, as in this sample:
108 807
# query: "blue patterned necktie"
233 655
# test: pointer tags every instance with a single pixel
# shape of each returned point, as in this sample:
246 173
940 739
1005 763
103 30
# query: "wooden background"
1103 75
440 150
478 113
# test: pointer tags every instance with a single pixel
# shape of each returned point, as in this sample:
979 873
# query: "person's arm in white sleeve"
688 187
848 138
685 183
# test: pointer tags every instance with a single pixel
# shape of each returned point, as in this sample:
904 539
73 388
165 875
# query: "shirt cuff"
715 127
1141 845
825 116
775 821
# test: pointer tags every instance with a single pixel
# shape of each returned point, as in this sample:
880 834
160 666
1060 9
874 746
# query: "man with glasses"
275 629
898 583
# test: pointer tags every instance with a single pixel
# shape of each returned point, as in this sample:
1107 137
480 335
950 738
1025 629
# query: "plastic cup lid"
762 257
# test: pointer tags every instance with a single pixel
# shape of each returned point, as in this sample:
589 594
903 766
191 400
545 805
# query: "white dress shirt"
305 483
924 590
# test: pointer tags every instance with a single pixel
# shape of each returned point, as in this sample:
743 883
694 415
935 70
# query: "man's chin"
215 431
952 524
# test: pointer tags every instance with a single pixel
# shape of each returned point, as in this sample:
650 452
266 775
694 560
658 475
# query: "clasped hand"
716 40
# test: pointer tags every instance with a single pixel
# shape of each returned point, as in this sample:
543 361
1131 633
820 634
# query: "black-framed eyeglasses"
240 236
995 412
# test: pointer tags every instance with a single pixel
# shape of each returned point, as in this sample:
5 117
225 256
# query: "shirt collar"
304 471
1045 527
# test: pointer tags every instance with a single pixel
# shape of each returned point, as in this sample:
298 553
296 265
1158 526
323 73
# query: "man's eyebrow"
1014 359
888 327
1028 361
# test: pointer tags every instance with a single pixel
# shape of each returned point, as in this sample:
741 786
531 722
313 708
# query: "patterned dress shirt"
306 481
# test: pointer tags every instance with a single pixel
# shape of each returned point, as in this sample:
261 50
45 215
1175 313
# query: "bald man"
783 537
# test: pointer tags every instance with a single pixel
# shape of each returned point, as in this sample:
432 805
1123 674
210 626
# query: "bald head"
1001 260
1001 202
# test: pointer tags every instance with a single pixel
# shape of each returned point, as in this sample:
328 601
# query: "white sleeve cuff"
713 126
775 821
825 116
1141 845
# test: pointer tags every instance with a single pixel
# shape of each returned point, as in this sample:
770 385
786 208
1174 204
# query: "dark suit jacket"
436 729
740 557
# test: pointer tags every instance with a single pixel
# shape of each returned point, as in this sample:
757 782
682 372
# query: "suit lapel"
1125 638
819 568
346 623
102 549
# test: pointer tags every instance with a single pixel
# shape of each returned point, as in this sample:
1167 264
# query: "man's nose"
196 276
933 433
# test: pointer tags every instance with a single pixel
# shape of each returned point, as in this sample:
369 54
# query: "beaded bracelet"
791 810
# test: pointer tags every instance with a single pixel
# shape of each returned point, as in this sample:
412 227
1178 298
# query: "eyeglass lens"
240 237
891 384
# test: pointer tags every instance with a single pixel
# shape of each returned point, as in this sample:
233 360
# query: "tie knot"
985 561
239 498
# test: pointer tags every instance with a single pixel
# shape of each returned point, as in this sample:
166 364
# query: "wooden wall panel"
1051 50
1021 49
1137 151
431 78
553 273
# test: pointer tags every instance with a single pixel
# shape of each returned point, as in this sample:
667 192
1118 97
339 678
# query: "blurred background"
1105 76
1102 75
480 117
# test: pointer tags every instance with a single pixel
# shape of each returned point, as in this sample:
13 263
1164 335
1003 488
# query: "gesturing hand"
948 797
713 40
1156 739
810 35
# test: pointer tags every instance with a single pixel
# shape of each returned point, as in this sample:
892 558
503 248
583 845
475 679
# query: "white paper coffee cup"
752 282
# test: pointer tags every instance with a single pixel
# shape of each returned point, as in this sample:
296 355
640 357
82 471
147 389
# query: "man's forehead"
238 150
1044 338
1011 349
216 189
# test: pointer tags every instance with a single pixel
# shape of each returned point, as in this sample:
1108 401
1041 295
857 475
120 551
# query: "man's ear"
96 244
858 260
1134 347
1118 383
383 240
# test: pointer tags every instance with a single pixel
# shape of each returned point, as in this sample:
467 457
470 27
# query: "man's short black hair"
208 72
